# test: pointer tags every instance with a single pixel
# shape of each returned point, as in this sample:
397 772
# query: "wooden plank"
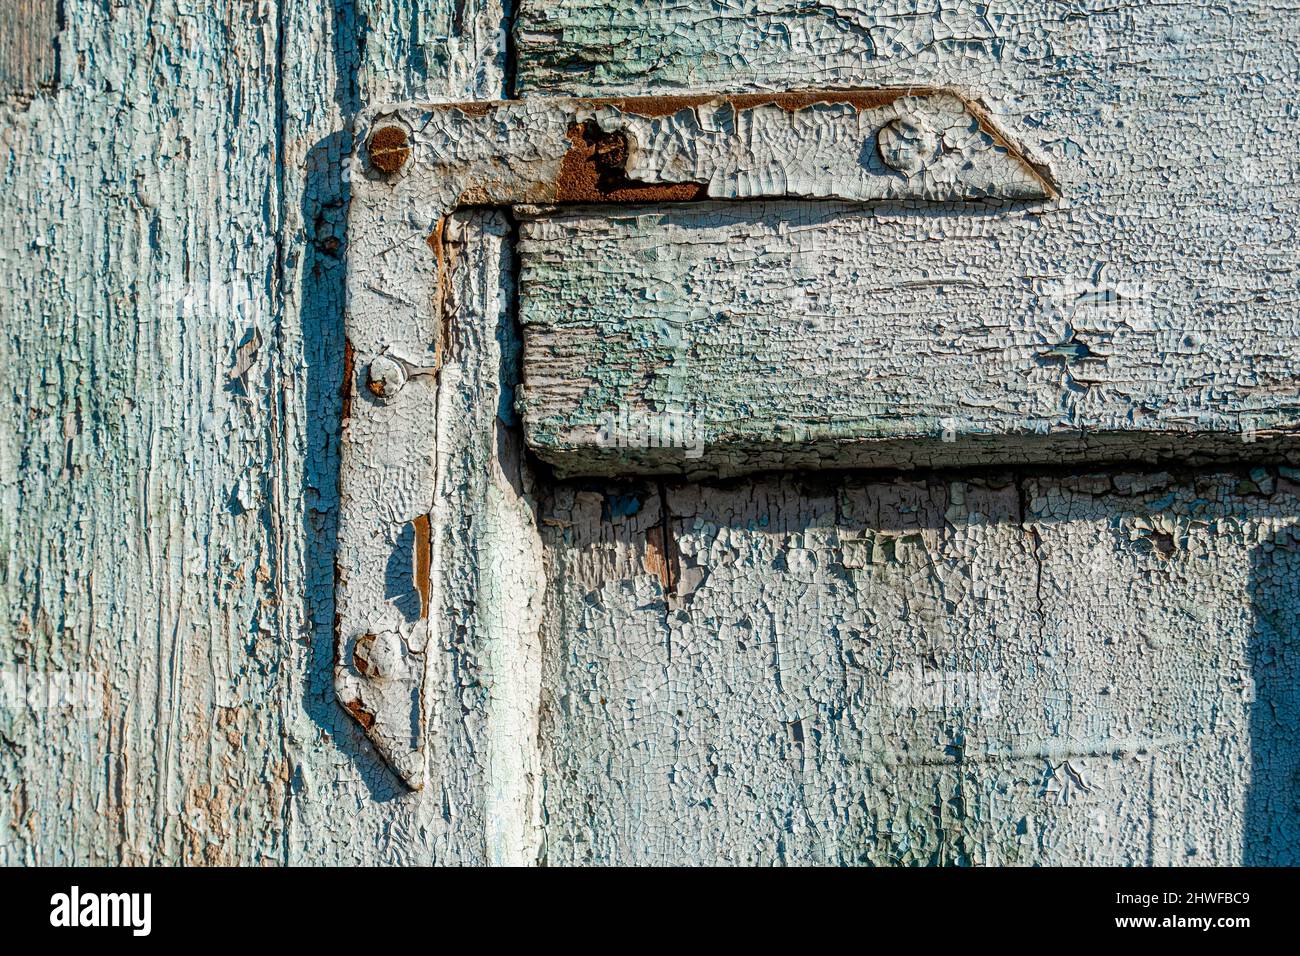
1006 670
138 279
718 341
630 46
489 578
750 719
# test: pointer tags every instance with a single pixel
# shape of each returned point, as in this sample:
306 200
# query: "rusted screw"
389 149
364 656
385 377
610 149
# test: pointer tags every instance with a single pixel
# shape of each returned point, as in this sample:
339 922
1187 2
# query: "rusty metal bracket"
420 162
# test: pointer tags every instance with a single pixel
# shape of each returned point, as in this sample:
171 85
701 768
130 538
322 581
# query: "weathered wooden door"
949 522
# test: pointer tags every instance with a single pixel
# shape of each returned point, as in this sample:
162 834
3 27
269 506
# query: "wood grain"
751 719
709 340
29 53
173 354
172 267
1004 670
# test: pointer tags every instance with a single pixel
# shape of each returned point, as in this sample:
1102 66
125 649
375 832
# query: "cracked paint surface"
791 336
168 525
1002 670
755 715
171 528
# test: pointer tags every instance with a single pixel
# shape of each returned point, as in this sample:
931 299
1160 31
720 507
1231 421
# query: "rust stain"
594 171
435 242
661 558
653 107
792 101
655 560
478 194
434 239
389 149
361 656
364 717
423 561
349 364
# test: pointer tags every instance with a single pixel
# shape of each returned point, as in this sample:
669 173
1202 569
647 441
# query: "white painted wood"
490 580
1009 670
174 214
171 528
711 340
138 281
749 718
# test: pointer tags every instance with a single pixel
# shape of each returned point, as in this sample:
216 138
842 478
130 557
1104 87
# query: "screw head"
906 145
385 377
389 149
374 654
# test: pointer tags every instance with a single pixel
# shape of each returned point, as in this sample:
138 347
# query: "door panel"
1091 669
1158 295
1036 667
1055 51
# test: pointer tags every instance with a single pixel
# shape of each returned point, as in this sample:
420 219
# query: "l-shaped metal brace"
421 162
